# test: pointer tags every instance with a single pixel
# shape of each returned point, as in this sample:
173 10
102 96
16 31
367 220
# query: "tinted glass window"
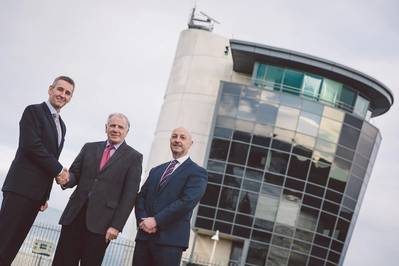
257 253
211 195
219 149
298 167
247 202
277 162
238 153
257 157
228 198
349 137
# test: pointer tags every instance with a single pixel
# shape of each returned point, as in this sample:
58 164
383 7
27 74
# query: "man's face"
60 94
180 142
116 129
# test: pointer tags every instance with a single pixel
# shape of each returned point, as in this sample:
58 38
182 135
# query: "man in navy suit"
165 204
27 186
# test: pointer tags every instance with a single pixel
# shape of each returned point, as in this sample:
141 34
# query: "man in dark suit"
107 175
27 186
165 203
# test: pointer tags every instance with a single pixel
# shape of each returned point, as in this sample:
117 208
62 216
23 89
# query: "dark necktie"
106 155
168 172
56 117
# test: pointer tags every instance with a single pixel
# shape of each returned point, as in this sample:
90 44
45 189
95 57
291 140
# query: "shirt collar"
115 145
51 108
182 159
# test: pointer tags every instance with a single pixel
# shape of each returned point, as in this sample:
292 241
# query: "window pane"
347 99
289 208
330 91
261 236
238 153
225 216
214 178
219 149
292 81
266 113
298 167
349 136
342 230
231 88
274 76
228 105
248 202
277 162
308 123
204 223
222 132
228 198
267 205
277 256
211 195
253 174
354 187
260 71
311 86
216 166
246 109
257 157
329 130
222 227
287 118
326 224
261 140
361 106
242 136
319 173
232 181
235 170
297 259
244 220
206 212
257 253
307 218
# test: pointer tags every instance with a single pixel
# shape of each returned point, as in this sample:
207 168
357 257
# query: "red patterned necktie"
106 155
168 172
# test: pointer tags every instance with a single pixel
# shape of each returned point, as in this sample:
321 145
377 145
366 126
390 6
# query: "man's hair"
64 78
120 115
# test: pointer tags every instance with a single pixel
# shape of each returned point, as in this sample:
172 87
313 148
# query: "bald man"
165 204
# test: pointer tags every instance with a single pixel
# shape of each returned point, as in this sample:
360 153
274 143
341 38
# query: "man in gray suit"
107 175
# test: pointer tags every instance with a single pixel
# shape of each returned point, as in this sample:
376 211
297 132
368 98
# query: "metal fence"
39 248
41 242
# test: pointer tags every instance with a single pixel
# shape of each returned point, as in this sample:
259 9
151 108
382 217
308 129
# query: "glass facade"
286 173
310 86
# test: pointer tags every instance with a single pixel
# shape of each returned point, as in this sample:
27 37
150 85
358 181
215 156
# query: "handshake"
63 178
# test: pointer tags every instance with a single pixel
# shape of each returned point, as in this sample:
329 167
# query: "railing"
119 252
268 85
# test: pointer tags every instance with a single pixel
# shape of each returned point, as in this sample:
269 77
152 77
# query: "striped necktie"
56 117
168 172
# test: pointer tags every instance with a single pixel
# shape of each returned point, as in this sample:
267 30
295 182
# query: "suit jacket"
36 161
173 204
110 193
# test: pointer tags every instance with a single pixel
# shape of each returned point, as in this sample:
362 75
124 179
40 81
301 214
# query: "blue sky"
120 54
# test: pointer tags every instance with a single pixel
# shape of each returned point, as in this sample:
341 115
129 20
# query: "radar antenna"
201 21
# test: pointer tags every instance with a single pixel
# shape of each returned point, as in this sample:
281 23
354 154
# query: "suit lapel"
63 131
174 176
117 154
51 122
99 154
